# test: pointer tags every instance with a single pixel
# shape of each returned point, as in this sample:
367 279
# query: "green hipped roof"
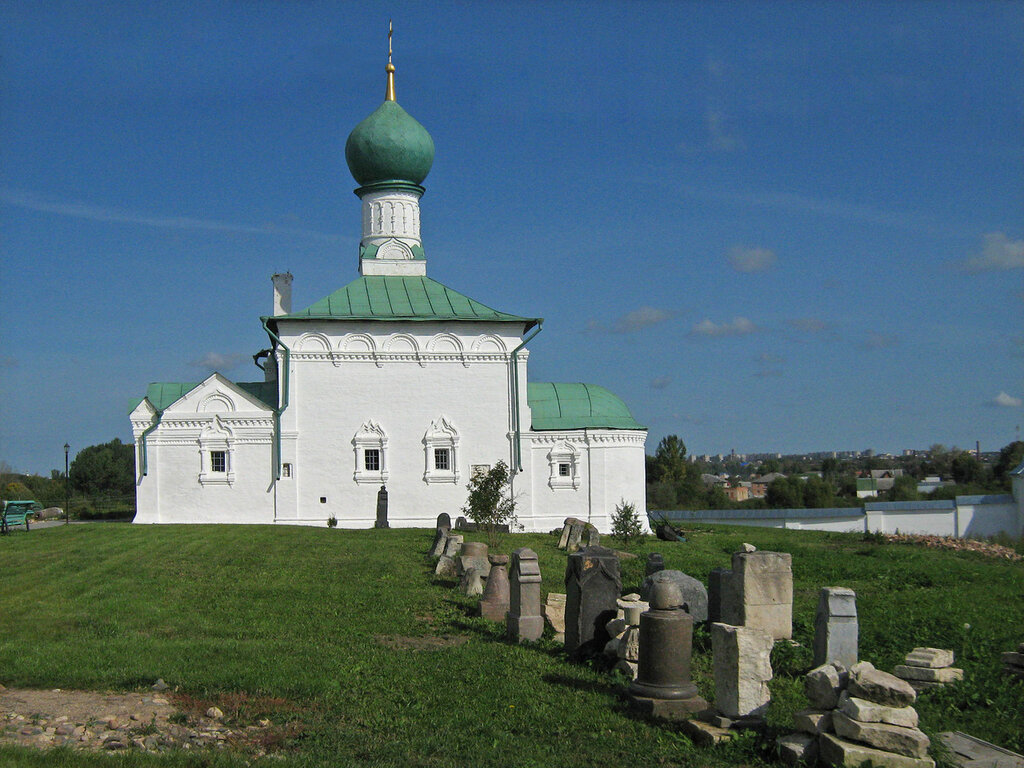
162 394
392 297
577 406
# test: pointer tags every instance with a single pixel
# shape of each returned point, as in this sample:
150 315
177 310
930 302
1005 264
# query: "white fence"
965 516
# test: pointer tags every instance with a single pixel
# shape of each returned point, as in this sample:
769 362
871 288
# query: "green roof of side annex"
394 297
577 406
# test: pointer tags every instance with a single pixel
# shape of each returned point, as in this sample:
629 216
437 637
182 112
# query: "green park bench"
16 513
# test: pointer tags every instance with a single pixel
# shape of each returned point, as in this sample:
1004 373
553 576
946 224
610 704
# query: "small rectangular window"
218 461
564 470
442 459
286 470
371 459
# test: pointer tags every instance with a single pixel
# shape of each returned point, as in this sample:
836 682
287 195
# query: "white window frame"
441 434
371 436
564 453
216 437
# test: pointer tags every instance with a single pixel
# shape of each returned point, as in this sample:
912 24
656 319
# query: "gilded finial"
390 96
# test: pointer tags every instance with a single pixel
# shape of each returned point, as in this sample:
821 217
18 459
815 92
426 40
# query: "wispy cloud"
644 317
738 326
998 252
660 382
750 259
809 324
876 340
768 366
215 361
80 210
1003 400
834 209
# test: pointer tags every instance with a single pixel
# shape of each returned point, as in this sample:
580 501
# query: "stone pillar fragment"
495 600
835 627
764 586
563 540
524 620
742 664
592 587
554 612
473 555
663 686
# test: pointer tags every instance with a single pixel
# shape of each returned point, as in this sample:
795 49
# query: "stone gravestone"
721 601
440 540
563 540
742 659
573 542
655 563
695 596
494 603
446 568
473 555
382 508
444 520
762 584
835 627
524 620
592 586
663 686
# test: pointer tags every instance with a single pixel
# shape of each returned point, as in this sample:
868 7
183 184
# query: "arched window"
441 452
216 459
563 466
370 445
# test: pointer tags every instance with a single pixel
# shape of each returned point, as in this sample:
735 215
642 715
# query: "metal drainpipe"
286 364
517 450
144 444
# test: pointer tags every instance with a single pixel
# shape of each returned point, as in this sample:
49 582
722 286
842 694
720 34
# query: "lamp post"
67 487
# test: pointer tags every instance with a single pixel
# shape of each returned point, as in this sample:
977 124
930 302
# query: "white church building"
393 380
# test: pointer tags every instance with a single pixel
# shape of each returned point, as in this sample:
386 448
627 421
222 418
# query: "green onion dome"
389 145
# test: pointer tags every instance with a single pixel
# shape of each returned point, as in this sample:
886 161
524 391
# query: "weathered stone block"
824 684
704 734
764 585
743 668
813 721
929 657
629 645
835 627
452 545
471 582
722 599
445 568
928 674
891 738
494 603
554 612
694 594
872 684
869 712
798 748
1012 658
835 751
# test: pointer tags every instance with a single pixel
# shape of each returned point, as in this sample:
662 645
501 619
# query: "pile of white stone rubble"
926 668
859 715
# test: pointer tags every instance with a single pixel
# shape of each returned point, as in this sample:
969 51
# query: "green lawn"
295 618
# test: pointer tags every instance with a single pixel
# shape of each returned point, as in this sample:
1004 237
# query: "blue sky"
767 226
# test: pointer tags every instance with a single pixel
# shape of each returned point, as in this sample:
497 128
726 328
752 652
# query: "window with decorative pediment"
563 464
441 444
216 460
370 445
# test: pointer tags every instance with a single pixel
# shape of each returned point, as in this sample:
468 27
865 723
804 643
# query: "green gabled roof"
163 394
392 297
577 406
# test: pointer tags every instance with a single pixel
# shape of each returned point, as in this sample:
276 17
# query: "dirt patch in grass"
150 721
425 643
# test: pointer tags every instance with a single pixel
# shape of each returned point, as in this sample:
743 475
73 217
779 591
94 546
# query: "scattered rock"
869 712
839 752
824 684
930 657
798 748
159 685
872 684
890 738
215 713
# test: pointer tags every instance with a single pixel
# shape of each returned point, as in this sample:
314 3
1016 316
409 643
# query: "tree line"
674 481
